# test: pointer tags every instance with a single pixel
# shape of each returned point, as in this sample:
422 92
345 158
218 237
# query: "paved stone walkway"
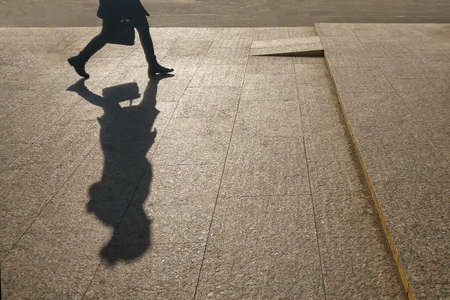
393 83
233 179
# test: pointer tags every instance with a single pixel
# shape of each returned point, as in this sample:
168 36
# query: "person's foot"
156 68
78 66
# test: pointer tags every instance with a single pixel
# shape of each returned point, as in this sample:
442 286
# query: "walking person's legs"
147 45
79 61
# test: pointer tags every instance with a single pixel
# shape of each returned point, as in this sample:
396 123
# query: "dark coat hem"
121 11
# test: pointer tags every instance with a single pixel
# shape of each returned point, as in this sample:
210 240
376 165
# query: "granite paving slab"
392 82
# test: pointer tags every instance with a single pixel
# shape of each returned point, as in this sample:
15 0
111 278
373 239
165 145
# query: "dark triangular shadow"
312 53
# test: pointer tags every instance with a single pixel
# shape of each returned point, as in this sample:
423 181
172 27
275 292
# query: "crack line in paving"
30 145
122 217
220 184
310 186
46 204
173 112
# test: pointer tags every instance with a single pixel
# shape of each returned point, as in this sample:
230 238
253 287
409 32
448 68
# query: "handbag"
122 33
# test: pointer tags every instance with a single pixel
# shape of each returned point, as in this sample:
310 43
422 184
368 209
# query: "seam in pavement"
118 224
266 195
310 188
173 114
50 199
220 183
98 265
386 232
36 139
92 279
71 108
45 205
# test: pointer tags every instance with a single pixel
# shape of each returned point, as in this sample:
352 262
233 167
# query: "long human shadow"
126 136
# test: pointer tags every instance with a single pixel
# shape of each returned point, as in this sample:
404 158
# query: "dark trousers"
101 39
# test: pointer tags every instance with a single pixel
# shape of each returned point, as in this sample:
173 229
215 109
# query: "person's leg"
146 42
147 45
92 47
79 61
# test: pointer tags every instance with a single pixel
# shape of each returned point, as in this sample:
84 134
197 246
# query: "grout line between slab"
220 185
46 203
244 196
164 130
118 225
35 140
310 191
50 199
382 219
90 281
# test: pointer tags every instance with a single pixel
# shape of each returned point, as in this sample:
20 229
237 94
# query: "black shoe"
79 66
155 68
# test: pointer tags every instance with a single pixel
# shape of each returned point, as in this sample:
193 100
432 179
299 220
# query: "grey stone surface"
58 254
192 141
359 267
269 65
242 157
356 263
181 202
344 214
9 153
269 86
312 74
268 119
397 108
219 75
425 258
265 166
39 267
331 160
268 92
25 192
355 79
227 55
262 247
169 271
198 103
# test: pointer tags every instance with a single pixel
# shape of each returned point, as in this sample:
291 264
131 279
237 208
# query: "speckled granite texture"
393 84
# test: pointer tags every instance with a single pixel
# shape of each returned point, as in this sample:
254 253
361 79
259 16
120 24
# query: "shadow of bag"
122 33
122 92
